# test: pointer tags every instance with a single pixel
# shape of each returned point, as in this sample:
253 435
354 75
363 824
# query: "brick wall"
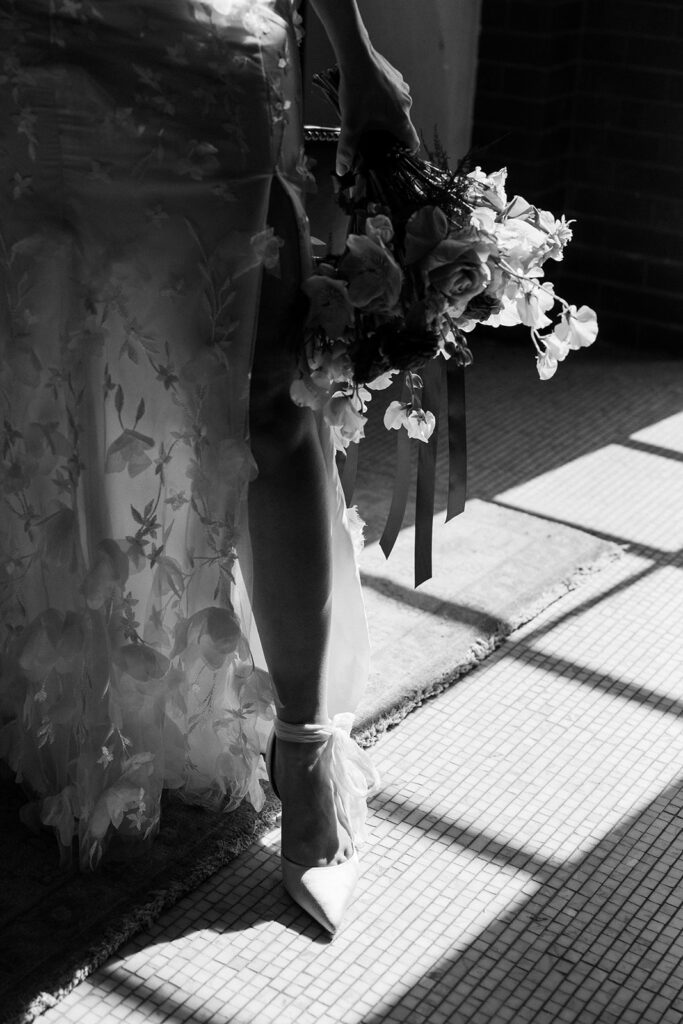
589 98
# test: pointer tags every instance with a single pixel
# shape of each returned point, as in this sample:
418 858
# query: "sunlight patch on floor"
554 772
605 490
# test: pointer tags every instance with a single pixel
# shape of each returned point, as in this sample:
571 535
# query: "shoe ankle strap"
314 732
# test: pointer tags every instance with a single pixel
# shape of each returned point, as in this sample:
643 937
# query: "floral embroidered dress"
138 145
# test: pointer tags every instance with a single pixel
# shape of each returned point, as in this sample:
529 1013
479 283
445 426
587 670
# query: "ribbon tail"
426 477
399 498
454 383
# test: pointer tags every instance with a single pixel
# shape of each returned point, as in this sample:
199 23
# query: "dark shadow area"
54 921
654 449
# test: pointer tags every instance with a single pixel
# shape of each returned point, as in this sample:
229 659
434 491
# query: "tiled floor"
526 853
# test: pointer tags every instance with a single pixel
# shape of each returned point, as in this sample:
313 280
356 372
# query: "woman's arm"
344 27
372 93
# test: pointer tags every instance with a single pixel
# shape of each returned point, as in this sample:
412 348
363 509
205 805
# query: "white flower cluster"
520 238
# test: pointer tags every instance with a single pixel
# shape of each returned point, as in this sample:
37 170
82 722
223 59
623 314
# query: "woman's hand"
372 95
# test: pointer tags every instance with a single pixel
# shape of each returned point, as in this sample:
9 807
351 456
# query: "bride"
175 556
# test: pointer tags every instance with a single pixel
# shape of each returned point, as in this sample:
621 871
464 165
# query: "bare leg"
289 527
289 524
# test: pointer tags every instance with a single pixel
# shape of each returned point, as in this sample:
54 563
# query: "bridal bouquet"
430 255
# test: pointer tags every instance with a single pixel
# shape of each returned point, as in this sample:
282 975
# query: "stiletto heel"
326 892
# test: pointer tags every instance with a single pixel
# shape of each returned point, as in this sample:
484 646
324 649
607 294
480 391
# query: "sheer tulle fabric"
352 774
139 144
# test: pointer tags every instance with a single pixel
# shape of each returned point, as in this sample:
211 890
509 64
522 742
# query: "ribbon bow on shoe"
326 892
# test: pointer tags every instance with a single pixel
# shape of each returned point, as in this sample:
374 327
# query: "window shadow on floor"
598 940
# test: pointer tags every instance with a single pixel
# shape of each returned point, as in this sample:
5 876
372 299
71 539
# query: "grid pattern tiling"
525 860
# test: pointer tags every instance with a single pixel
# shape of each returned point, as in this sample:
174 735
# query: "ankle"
302 732
296 760
299 719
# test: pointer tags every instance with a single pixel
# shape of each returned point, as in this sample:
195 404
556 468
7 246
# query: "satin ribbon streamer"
444 385
453 377
426 475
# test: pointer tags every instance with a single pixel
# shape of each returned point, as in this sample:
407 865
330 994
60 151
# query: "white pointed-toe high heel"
326 892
